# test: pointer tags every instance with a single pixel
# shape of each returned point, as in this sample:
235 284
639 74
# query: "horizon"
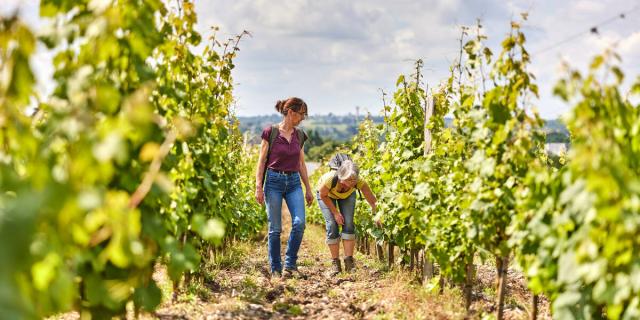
349 114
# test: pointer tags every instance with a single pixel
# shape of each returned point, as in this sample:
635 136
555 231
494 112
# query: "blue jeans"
288 187
347 207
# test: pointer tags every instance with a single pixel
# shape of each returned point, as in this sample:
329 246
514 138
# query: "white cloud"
338 54
630 46
589 6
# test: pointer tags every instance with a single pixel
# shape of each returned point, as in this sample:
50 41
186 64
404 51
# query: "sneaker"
336 267
276 274
348 264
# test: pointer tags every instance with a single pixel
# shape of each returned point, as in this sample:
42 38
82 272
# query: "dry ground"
242 289
238 286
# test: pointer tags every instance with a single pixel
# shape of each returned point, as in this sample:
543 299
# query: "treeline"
343 128
340 128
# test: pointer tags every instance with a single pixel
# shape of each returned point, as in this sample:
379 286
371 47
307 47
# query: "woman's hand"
377 219
309 196
339 218
259 195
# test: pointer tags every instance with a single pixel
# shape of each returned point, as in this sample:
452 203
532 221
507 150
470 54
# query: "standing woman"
337 201
284 165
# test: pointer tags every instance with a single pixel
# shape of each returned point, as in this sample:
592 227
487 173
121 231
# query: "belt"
286 173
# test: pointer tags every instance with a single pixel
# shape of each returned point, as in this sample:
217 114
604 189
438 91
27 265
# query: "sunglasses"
303 114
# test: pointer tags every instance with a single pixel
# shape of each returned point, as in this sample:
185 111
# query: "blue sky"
338 54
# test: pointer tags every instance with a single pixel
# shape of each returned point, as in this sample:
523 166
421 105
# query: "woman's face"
297 117
349 183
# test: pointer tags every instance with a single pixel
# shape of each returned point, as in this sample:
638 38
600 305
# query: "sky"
338 54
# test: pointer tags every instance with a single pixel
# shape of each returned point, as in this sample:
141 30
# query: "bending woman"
338 204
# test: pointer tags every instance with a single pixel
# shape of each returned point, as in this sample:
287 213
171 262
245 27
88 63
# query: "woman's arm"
261 167
305 179
324 195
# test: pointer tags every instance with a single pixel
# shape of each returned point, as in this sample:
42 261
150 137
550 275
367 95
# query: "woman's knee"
275 228
333 236
349 225
331 241
349 230
348 236
298 224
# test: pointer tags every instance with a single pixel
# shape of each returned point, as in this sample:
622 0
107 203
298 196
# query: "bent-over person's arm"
324 195
371 199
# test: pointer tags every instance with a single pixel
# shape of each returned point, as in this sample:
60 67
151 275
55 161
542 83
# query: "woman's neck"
286 125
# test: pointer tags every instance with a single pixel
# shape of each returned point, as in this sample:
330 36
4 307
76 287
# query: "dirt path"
247 292
240 288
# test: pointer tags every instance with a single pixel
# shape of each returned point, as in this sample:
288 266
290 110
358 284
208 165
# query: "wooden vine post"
502 264
380 252
427 266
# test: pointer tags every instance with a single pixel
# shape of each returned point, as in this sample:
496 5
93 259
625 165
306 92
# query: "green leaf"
50 8
43 272
597 62
148 297
618 73
487 53
64 289
22 80
499 113
208 229
107 98
94 290
566 299
560 90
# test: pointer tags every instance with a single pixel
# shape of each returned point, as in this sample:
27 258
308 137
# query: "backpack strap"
302 137
272 138
334 181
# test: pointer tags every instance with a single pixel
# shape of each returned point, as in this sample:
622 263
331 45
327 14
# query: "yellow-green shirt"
326 180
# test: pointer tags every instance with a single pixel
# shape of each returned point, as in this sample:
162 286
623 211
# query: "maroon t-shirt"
285 155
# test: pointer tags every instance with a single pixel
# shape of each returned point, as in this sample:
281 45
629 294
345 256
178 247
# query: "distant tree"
557 137
322 152
314 140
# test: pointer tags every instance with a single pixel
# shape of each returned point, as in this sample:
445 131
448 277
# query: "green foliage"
505 138
457 195
404 143
324 151
135 159
578 225
366 155
557 137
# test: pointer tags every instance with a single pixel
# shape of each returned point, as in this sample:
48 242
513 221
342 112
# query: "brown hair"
293 103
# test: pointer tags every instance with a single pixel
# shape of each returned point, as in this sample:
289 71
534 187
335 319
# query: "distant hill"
329 127
343 127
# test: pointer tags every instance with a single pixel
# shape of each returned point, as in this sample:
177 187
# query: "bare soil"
241 288
238 286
